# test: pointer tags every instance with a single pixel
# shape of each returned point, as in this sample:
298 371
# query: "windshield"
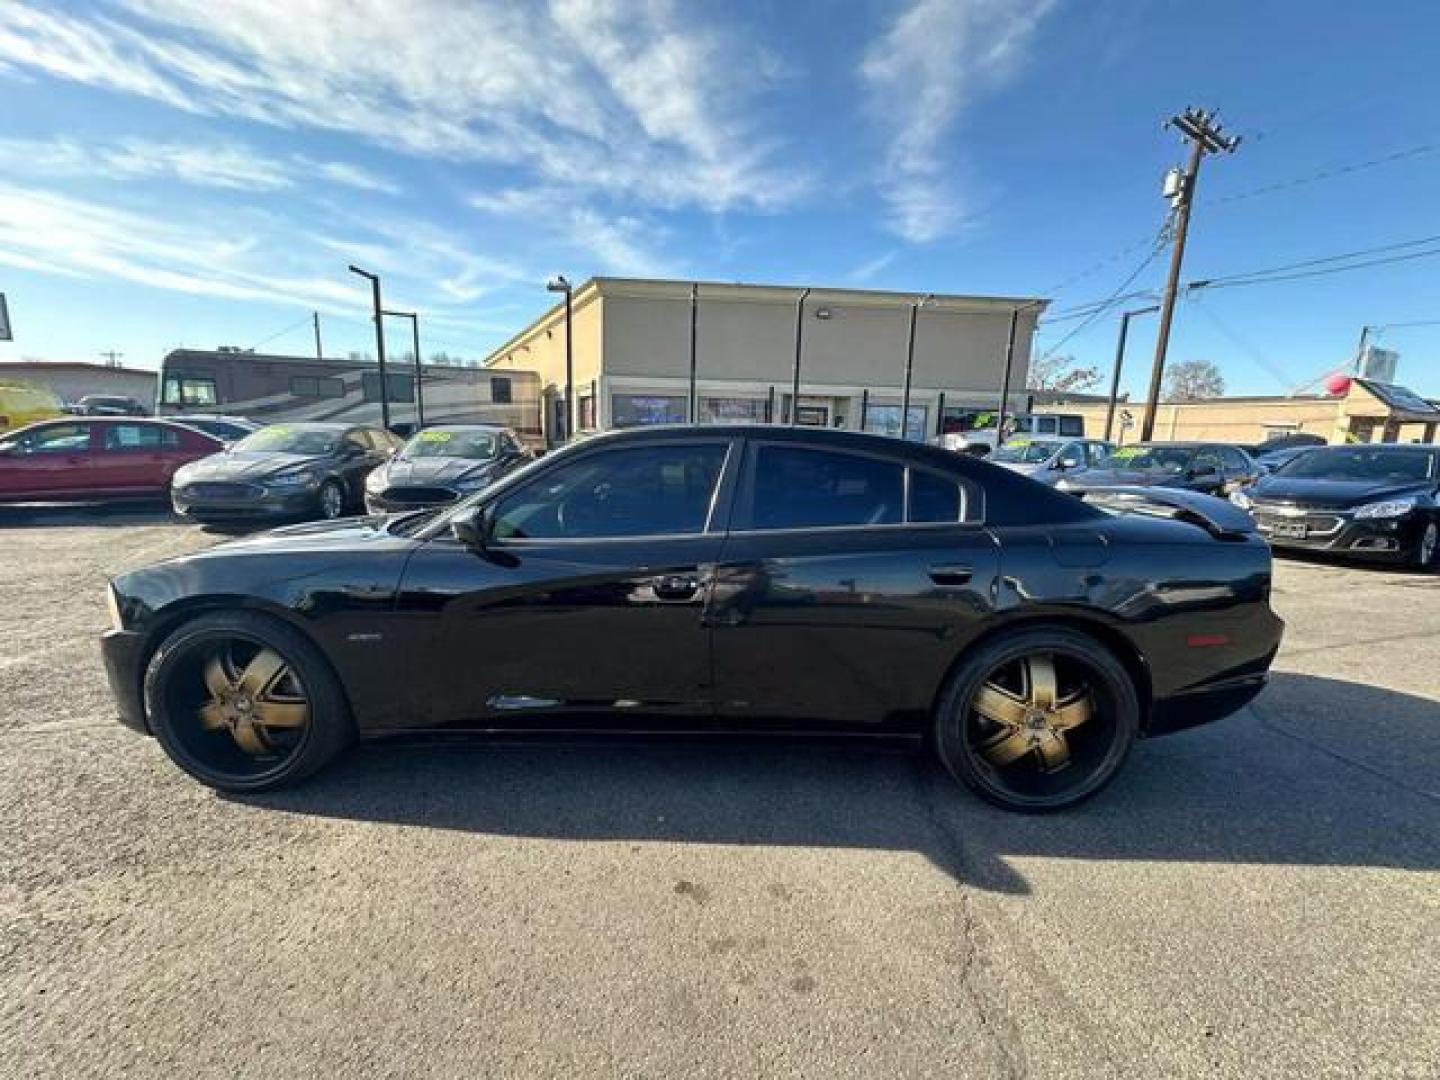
1170 459
1024 452
288 440
478 445
1361 463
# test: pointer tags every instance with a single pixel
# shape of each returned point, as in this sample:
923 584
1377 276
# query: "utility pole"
1202 129
1119 362
561 284
1360 347
694 331
910 368
414 317
319 352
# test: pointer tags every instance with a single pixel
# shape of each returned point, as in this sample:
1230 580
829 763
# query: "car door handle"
675 586
951 574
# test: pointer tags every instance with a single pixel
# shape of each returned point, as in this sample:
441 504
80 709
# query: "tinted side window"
1205 459
1072 425
634 491
401 387
59 439
933 497
1234 459
140 437
801 488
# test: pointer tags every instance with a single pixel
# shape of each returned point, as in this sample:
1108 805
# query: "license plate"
1290 530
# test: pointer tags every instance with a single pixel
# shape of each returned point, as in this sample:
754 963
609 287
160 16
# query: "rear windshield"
288 440
478 445
1361 463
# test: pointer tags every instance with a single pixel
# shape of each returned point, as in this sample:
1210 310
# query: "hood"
320 537
427 471
1333 494
1094 478
250 465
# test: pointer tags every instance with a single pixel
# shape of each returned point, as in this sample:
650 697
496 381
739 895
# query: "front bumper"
384 502
1382 539
123 652
261 503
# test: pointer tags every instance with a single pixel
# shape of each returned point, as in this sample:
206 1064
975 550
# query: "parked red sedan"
78 460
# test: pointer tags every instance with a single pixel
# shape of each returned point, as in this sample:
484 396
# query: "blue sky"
200 172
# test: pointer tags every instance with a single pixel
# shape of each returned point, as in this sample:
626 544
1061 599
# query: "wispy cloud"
920 76
632 100
868 269
229 165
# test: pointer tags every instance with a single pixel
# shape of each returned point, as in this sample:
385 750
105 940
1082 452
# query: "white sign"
4 320
1379 364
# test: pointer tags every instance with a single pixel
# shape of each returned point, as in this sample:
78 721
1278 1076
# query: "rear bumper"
1204 706
122 652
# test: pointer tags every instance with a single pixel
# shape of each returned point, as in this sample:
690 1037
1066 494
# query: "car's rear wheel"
244 703
1425 552
1037 720
332 500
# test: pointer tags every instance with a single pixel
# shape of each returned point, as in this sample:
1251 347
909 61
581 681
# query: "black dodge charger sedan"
283 471
441 465
1377 501
696 579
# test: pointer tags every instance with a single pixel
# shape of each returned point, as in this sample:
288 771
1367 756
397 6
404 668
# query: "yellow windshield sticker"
436 436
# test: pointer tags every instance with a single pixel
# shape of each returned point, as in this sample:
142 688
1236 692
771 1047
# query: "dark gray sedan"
1212 468
441 465
285 471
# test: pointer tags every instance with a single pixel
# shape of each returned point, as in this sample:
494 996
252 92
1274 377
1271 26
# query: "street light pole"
910 366
559 283
414 317
799 344
1119 361
379 343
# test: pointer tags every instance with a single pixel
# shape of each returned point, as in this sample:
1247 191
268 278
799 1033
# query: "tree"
1060 374
1193 380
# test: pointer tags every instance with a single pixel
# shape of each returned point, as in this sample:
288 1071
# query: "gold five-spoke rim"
254 702
1032 723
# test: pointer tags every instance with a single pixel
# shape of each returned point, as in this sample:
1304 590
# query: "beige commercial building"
1367 411
72 380
632 354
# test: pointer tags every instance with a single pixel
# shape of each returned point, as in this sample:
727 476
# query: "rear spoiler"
1219 517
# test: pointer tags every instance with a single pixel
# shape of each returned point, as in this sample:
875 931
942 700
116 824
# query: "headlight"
1388 509
1240 499
375 482
473 482
298 478
112 605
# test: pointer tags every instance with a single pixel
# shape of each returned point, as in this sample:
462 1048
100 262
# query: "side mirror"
473 527
1069 463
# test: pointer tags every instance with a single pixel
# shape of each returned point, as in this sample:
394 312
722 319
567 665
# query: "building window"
402 387
188 390
885 420
729 410
501 392
315 386
635 410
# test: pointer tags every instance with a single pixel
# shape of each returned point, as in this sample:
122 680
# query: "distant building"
632 355
1368 411
72 380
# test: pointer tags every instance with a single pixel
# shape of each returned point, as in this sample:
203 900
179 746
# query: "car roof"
486 428
865 441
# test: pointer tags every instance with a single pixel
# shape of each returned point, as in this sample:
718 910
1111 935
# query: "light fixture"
822 313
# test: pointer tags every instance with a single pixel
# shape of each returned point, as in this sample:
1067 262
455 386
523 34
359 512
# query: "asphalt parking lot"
1257 898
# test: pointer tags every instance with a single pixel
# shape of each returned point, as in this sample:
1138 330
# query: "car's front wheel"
1037 720
1425 552
244 703
332 500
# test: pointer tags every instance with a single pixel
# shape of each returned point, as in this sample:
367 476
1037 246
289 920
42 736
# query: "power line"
1099 265
1322 272
1330 173
1283 377
1320 261
1107 304
281 333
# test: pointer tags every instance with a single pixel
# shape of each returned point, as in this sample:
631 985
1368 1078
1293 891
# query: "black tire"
178 701
331 500
1094 748
1425 551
